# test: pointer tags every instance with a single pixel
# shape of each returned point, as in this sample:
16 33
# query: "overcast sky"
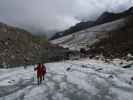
51 15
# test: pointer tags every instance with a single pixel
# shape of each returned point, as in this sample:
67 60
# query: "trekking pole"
34 75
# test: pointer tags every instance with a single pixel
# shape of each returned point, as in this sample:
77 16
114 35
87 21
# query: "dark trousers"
39 80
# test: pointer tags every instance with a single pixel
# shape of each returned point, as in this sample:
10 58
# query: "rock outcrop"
19 47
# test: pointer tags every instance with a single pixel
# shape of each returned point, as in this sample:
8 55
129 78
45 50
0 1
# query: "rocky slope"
19 47
118 44
85 38
112 39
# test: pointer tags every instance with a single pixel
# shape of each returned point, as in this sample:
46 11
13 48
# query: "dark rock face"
119 42
19 47
108 16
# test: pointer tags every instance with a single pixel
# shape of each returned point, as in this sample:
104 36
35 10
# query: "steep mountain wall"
87 37
118 44
19 47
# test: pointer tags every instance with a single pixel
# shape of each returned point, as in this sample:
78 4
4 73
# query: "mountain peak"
110 16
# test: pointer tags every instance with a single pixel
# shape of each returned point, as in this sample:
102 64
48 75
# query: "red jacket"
39 70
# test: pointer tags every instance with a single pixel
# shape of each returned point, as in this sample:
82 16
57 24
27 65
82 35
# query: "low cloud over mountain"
55 15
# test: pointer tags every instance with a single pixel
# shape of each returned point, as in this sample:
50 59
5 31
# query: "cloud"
55 15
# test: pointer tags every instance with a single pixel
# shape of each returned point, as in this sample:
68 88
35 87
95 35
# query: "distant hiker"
43 71
39 73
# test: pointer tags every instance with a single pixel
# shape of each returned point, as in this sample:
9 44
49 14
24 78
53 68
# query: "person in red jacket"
43 71
39 73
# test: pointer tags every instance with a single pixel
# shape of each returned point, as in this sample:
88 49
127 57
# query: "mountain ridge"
104 18
112 39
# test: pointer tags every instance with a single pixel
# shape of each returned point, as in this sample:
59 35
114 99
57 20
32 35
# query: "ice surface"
85 80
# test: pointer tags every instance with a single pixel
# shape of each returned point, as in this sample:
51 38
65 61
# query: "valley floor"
69 80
